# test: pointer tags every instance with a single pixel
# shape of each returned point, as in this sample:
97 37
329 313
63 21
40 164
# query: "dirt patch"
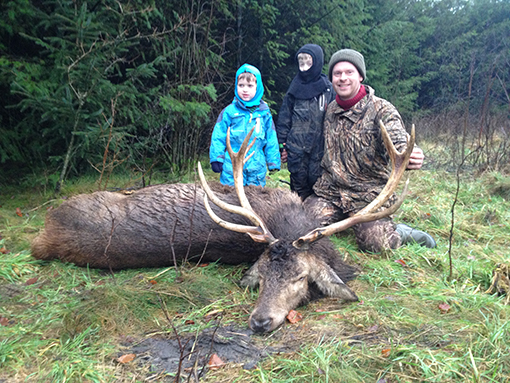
9 291
233 345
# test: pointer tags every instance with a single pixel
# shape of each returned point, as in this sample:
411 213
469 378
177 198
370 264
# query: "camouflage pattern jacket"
356 165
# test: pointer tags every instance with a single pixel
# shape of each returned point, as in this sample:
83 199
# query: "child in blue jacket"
246 111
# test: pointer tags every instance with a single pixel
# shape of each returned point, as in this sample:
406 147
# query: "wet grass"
61 323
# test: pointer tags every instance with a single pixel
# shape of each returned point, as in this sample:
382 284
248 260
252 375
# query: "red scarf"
348 104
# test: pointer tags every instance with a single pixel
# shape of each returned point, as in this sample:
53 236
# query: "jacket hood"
255 101
315 71
310 83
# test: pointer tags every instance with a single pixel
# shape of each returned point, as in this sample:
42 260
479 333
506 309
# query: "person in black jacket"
300 119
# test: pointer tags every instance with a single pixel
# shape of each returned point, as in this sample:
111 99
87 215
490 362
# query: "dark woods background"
137 85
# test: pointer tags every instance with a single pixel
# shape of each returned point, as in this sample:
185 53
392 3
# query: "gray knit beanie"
349 55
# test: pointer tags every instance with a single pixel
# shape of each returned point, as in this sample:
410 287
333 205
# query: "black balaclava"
310 83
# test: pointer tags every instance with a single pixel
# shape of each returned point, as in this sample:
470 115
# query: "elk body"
145 229
155 226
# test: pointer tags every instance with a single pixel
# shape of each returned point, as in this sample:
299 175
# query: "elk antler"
399 163
258 233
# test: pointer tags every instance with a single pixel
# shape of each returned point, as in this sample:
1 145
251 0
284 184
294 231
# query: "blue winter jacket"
241 120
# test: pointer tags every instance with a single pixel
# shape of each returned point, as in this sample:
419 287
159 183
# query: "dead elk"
146 228
158 225
299 263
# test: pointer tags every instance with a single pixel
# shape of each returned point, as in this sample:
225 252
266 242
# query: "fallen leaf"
444 307
18 212
3 250
321 317
126 358
386 352
293 316
31 281
153 282
401 261
4 321
215 362
203 265
189 321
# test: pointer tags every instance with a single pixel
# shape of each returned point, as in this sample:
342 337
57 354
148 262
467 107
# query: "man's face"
246 89
305 61
346 80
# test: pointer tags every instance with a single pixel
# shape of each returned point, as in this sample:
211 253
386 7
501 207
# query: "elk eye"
302 278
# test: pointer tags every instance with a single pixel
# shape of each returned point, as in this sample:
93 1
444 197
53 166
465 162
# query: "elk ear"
328 281
251 277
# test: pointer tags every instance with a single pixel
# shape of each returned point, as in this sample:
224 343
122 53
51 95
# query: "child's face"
246 89
305 61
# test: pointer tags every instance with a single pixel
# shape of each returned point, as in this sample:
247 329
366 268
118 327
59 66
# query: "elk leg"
377 236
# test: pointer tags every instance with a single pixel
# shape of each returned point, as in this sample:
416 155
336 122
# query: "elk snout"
261 324
267 317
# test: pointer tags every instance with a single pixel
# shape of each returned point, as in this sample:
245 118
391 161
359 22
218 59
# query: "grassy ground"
61 323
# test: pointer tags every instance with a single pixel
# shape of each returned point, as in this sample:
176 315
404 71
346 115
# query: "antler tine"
253 231
222 204
258 233
244 147
238 160
399 163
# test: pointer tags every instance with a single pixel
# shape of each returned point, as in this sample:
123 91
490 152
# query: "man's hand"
283 155
416 159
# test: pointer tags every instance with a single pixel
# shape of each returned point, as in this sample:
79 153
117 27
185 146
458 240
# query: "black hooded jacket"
300 120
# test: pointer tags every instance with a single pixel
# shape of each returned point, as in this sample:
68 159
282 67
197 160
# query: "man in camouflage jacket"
356 165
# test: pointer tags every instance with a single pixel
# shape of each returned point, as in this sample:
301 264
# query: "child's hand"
217 167
283 156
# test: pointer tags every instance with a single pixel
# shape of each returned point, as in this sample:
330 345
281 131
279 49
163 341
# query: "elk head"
297 265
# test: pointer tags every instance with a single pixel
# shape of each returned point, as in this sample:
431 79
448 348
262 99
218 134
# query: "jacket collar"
357 112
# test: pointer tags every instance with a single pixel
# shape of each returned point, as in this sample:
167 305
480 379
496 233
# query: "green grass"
61 323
